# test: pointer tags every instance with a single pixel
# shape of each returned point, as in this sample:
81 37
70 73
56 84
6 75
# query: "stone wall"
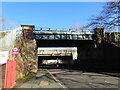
98 55
27 58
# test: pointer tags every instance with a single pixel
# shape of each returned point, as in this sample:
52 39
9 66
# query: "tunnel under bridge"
52 61
84 50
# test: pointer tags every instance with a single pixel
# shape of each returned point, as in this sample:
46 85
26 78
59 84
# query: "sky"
55 0
51 14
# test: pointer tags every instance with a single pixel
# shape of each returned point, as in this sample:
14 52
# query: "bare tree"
109 16
77 27
6 25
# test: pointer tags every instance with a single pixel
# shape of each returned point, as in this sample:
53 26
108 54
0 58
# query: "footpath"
43 79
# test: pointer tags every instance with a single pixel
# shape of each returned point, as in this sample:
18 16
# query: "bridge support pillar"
29 49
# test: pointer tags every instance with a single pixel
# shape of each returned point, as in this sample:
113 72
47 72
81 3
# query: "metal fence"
8 41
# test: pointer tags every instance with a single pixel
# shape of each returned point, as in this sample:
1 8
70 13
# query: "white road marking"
62 86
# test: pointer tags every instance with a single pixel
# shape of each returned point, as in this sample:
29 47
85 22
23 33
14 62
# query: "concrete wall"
103 58
107 57
65 51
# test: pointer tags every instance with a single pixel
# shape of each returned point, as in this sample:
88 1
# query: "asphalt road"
78 79
65 78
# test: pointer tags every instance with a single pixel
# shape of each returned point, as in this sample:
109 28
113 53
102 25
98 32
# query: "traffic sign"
15 51
4 55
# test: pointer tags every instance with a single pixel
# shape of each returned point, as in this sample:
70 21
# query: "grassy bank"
20 81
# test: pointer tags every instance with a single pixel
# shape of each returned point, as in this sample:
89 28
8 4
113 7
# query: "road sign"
4 57
15 51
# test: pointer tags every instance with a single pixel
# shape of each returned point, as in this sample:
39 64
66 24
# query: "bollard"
10 73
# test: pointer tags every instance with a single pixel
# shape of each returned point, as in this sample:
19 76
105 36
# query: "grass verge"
20 81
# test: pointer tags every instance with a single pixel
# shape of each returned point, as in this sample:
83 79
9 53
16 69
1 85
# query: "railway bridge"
83 41
93 51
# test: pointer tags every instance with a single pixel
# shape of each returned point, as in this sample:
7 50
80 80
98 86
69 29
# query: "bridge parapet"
29 32
62 30
110 37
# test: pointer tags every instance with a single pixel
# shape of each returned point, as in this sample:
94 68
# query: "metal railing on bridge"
61 30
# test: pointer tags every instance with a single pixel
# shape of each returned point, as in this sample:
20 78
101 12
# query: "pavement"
42 80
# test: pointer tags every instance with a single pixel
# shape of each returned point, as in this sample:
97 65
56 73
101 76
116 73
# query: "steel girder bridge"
51 34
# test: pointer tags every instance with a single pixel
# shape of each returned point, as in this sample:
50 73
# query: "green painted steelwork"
63 36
